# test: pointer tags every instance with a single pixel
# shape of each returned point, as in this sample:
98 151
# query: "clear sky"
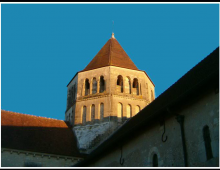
44 45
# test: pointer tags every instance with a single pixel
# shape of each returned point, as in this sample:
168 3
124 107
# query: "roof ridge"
110 46
31 115
126 55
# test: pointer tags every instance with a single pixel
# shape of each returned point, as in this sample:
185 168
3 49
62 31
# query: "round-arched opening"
135 86
94 86
155 160
101 111
92 113
87 87
120 83
102 85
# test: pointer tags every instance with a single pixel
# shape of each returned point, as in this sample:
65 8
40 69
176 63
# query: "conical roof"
111 54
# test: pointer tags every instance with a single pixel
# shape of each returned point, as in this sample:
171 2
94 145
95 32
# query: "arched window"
155 160
129 111
152 96
87 87
94 86
93 113
120 83
84 115
137 109
207 140
135 86
101 111
120 112
127 85
102 84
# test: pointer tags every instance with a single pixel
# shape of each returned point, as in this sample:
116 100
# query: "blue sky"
44 45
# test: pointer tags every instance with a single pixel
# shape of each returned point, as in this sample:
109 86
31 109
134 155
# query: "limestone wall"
72 89
96 73
144 83
69 115
87 135
128 98
89 124
126 101
88 103
136 97
18 158
139 150
71 100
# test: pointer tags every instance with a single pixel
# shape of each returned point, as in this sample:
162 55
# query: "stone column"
90 87
123 81
98 85
131 86
105 85
139 88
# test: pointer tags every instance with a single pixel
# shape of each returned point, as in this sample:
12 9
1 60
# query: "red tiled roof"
37 134
111 54
17 119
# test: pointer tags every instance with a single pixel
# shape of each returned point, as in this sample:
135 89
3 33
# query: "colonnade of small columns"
88 85
92 112
123 85
127 85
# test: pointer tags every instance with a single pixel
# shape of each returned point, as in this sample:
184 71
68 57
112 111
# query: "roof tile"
37 134
111 54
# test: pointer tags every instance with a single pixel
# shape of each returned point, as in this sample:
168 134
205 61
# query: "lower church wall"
18 158
139 150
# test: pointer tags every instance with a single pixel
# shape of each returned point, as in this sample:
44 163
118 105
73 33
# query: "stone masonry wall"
91 129
110 97
143 81
71 94
18 158
139 150
90 99
90 136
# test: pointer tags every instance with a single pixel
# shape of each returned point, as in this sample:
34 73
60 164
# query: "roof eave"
73 78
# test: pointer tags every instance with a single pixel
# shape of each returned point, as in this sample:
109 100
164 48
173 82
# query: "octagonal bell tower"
110 90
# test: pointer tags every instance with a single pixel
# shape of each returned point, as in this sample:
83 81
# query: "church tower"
109 91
